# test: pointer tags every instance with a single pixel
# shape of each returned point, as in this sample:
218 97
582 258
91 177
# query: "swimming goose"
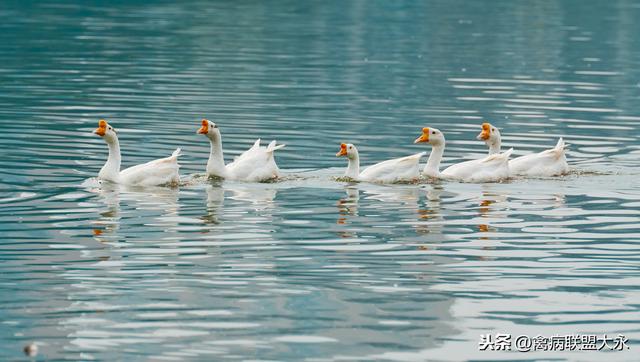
551 162
157 172
487 169
395 170
255 164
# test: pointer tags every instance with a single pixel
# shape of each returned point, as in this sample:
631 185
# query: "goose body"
162 171
389 171
255 164
551 162
488 169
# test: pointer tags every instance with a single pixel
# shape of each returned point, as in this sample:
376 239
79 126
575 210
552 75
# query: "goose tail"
418 155
558 150
256 145
415 157
273 147
507 154
499 156
561 146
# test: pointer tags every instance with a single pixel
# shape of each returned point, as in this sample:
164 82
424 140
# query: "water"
311 268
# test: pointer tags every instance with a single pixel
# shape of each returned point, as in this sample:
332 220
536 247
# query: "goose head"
348 150
106 131
433 136
209 129
489 133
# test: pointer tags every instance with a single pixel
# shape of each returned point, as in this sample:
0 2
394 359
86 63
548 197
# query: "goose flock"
258 163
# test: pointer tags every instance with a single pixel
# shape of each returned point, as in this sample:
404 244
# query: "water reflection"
397 195
215 203
490 205
431 213
147 200
109 221
260 196
348 205
408 249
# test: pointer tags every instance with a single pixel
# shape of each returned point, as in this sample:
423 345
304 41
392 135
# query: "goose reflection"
253 198
146 201
109 221
215 204
406 196
348 210
348 206
431 212
259 196
559 200
489 204
406 199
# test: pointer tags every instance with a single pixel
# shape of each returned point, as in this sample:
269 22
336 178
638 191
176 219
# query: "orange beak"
486 132
205 127
424 137
343 150
102 128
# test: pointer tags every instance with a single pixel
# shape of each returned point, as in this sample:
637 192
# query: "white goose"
551 162
489 169
162 171
255 164
395 170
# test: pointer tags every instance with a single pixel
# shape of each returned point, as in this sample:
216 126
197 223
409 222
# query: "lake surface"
311 268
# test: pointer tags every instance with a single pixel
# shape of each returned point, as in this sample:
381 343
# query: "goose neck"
215 165
353 167
111 169
432 167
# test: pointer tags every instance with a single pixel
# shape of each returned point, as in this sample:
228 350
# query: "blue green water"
310 268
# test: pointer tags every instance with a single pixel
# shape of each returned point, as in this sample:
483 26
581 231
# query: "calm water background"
311 268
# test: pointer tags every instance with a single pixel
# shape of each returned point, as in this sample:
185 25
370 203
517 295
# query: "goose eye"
433 132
